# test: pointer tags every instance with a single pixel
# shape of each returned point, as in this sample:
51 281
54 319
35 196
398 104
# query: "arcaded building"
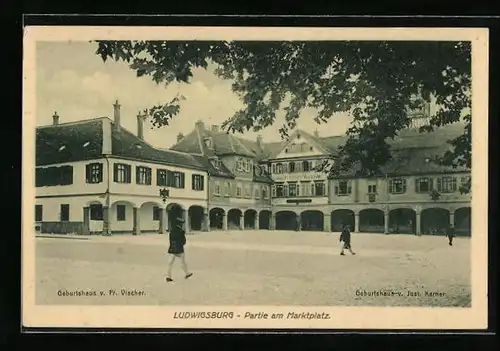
94 176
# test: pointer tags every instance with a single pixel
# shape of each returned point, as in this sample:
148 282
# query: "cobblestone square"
256 268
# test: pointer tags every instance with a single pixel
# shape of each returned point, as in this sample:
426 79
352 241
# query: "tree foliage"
376 81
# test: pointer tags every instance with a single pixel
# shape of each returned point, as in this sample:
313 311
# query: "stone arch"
196 217
265 219
150 216
402 221
216 215
234 218
371 220
286 220
340 217
121 216
434 220
249 217
312 220
463 220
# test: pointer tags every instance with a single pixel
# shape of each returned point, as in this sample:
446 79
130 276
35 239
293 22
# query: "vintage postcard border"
340 317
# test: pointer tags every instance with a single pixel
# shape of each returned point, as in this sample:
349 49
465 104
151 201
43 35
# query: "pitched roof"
78 141
127 144
69 142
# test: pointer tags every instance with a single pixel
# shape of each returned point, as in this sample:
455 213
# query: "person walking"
345 237
177 239
450 233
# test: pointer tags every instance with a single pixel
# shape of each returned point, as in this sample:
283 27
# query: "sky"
75 82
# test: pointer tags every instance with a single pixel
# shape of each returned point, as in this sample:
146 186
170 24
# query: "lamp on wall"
164 194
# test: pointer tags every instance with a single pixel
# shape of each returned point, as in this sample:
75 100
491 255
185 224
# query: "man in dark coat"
177 239
345 236
450 233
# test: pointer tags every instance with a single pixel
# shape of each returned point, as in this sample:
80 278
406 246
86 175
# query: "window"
319 188
447 184
256 192
38 213
285 190
265 193
343 188
293 189
120 213
372 189
307 166
397 186
227 189
122 173
93 173
217 188
156 213
286 150
198 182
161 177
64 213
216 163
170 179
306 189
238 190
279 190
54 176
291 167
298 167
247 191
96 212
423 185
279 168
143 175
273 189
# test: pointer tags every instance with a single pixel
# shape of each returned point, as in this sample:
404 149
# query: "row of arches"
400 221
199 218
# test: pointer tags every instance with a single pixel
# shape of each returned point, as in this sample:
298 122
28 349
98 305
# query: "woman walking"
345 236
177 239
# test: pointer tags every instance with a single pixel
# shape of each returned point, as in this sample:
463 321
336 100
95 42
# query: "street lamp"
164 194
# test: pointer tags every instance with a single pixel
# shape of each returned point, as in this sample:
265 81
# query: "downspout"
107 197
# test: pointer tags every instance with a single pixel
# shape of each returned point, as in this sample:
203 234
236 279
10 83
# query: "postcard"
255 177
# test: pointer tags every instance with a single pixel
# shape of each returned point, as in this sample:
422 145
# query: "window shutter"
389 186
158 176
129 173
182 180
137 174
100 176
431 184
404 185
417 185
88 174
439 184
349 187
115 172
336 189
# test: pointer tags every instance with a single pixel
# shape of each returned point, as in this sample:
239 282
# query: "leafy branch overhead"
374 81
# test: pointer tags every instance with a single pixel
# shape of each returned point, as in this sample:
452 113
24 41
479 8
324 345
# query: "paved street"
256 268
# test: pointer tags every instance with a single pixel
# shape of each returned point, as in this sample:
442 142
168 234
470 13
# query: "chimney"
55 119
201 127
259 141
117 113
180 136
215 128
316 133
140 125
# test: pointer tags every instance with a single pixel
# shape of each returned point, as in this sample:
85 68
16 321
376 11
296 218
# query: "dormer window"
209 143
216 163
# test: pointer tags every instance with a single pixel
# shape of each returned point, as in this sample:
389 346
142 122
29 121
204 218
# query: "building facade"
94 176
